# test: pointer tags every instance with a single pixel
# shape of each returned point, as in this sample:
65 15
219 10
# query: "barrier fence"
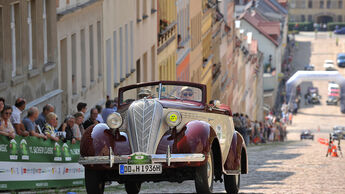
34 163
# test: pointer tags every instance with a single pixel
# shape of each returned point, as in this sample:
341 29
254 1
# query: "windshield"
341 57
162 92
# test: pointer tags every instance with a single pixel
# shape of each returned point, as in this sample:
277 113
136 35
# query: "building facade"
80 53
167 39
321 12
28 53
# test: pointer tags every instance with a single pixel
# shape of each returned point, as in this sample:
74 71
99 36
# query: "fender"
233 165
97 140
194 137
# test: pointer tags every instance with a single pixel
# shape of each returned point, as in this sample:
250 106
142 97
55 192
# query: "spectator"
6 127
2 104
41 121
18 108
81 107
50 126
99 116
92 120
78 128
109 108
67 127
30 125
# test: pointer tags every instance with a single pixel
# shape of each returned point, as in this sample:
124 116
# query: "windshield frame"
202 87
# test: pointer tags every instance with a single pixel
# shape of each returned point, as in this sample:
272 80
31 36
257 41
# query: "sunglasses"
188 94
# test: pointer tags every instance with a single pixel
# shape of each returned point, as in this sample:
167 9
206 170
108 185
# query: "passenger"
99 116
50 127
109 108
144 93
92 120
82 107
67 127
18 108
6 127
187 93
30 125
41 121
78 128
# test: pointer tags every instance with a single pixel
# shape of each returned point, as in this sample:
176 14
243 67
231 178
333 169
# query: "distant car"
313 96
341 60
332 100
329 65
307 135
309 67
338 134
340 31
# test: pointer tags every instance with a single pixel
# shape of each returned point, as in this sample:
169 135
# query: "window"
138 11
138 71
121 56
31 27
328 4
126 50
15 38
340 4
145 15
310 18
1 49
83 59
92 66
153 6
45 33
116 80
340 18
145 67
108 67
99 49
321 4
153 62
132 45
74 63
310 4
302 18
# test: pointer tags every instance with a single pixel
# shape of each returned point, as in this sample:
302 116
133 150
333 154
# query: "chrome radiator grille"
144 120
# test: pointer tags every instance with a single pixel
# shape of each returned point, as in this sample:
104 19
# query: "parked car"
340 31
167 133
309 67
329 65
307 135
341 60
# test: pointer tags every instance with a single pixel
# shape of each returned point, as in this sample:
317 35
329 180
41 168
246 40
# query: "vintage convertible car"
164 131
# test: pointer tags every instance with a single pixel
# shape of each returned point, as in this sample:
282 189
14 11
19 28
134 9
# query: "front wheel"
132 187
204 176
94 181
232 183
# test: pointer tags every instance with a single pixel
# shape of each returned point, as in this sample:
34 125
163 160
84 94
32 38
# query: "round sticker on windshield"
173 117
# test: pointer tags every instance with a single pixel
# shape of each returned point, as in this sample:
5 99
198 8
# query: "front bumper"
156 158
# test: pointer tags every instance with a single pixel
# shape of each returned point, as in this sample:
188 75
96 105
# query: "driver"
144 93
187 93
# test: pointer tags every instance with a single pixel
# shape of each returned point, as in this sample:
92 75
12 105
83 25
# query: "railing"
167 34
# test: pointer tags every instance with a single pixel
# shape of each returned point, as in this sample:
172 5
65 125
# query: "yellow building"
167 39
322 11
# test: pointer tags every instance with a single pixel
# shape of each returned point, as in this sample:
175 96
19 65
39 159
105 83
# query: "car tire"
232 183
204 176
132 187
94 182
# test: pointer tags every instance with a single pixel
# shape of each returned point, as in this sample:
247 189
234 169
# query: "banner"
32 163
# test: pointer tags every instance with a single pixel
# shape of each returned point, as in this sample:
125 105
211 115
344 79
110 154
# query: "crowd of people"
45 124
269 130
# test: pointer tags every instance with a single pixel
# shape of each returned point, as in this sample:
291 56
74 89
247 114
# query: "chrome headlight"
173 118
114 120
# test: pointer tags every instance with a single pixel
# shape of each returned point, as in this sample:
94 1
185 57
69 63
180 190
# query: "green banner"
31 163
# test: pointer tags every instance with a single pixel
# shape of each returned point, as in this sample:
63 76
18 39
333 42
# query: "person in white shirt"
18 108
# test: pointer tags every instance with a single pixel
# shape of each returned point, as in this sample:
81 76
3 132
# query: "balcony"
269 82
166 36
65 6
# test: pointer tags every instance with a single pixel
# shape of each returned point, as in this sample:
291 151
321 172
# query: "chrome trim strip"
232 172
156 158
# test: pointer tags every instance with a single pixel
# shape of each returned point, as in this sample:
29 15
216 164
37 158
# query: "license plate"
125 169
